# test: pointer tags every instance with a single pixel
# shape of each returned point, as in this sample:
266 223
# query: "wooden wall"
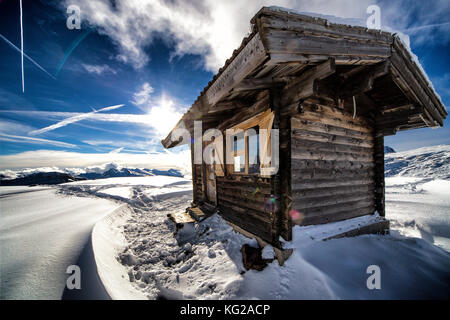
197 183
332 164
242 200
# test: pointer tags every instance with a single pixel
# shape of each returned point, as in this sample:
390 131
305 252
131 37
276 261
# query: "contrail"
115 151
25 55
73 119
21 45
427 26
70 50
14 138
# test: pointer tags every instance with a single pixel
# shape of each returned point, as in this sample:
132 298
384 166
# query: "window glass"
239 152
253 150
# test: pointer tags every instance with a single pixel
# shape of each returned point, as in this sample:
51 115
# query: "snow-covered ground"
204 261
45 229
138 256
41 234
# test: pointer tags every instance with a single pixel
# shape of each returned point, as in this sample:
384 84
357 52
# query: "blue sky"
151 59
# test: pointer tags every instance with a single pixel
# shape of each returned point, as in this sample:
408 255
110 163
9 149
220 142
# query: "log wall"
245 201
332 165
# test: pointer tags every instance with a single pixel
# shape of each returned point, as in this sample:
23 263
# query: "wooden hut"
333 92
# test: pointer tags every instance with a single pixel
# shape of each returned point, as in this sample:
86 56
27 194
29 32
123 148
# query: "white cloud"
142 96
10 126
213 29
210 28
98 69
64 159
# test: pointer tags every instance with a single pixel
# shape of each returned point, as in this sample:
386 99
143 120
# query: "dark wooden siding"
332 165
197 182
242 199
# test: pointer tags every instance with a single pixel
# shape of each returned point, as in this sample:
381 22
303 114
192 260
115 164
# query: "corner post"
281 181
379 173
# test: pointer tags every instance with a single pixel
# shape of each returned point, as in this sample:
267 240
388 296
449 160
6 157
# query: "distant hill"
388 149
39 178
429 162
126 172
56 175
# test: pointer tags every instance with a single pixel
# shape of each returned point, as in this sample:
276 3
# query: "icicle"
354 107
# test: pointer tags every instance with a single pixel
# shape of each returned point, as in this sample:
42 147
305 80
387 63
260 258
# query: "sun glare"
163 116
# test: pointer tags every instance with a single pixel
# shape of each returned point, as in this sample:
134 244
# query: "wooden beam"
259 84
305 85
363 81
252 55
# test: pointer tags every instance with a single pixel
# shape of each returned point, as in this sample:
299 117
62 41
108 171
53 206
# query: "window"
248 145
239 152
246 151
253 150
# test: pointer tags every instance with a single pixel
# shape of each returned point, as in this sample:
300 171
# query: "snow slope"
429 162
418 193
204 261
41 234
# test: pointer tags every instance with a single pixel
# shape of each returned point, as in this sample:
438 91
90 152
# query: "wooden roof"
284 45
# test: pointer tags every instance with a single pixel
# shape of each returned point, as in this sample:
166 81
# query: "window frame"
246 152
263 120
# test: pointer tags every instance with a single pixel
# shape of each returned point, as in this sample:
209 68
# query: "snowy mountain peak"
428 162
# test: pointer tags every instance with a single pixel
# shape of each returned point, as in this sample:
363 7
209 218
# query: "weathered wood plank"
327 183
307 174
249 58
330 138
280 41
319 155
337 122
317 193
300 142
320 27
297 164
316 126
337 216
303 205
335 113
249 223
336 208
